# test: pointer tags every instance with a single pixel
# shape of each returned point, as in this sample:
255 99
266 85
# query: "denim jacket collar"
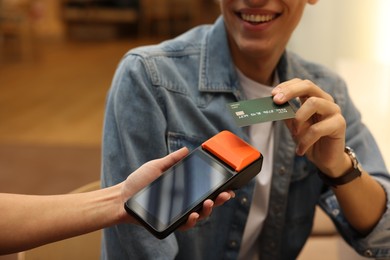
215 50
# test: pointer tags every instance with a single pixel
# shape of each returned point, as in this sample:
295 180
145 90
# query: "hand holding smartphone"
223 162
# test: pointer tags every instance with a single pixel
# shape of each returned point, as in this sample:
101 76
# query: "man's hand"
208 206
319 132
318 127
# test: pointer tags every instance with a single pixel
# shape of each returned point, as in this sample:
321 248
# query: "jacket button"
244 201
368 253
272 245
282 170
232 243
335 212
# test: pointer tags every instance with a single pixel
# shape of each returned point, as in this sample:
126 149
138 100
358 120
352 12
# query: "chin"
255 48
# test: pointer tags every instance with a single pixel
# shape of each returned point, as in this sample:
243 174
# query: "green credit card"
254 111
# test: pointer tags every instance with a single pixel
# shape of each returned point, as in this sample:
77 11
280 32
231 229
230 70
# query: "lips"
257 18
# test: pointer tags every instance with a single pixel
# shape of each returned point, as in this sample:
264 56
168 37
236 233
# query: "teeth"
257 18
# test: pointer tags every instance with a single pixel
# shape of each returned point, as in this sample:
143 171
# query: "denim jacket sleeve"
376 243
131 110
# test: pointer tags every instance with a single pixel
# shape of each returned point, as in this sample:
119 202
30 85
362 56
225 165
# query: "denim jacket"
174 94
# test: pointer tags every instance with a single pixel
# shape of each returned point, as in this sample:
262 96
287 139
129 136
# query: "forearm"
363 202
29 221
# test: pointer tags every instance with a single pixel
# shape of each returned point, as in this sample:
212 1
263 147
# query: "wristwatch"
349 176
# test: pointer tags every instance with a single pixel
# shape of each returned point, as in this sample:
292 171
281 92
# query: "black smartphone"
166 203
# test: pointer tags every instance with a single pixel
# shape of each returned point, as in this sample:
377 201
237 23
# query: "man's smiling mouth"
257 18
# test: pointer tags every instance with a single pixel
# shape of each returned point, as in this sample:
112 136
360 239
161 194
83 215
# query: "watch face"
359 167
352 155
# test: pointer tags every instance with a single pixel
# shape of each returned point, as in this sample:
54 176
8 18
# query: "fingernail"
279 96
298 151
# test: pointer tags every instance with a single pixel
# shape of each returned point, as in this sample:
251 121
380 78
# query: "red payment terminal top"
232 150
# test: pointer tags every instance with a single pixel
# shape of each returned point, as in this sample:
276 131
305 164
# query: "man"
175 94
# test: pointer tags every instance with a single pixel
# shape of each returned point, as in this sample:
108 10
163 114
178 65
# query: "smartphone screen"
178 190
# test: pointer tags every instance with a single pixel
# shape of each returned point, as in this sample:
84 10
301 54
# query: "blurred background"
57 59
353 40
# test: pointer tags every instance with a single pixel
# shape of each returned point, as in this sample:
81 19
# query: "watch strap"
346 178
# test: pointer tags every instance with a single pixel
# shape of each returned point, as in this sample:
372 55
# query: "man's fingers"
224 197
297 88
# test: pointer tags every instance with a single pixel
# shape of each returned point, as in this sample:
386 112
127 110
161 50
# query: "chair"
16 30
81 247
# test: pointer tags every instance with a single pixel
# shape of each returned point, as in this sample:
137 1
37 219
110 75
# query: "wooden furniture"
94 19
167 17
104 19
16 30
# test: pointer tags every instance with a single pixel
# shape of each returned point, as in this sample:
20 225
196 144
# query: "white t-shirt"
262 137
